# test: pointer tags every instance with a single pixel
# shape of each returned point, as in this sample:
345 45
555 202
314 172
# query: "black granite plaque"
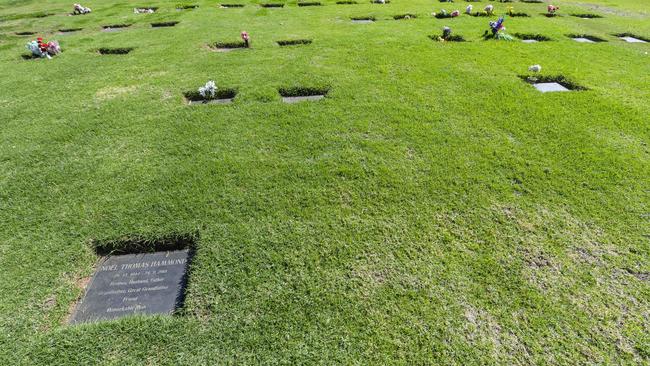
150 283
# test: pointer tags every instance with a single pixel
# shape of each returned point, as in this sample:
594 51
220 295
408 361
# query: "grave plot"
381 2
164 24
26 33
302 94
532 1
69 30
446 15
145 10
632 38
114 27
294 42
137 277
451 38
311 3
404 16
363 20
186 7
272 5
227 6
115 51
221 96
550 84
587 16
517 15
531 37
346 2
585 38
229 46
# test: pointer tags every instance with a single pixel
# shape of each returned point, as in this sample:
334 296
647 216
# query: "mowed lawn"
433 209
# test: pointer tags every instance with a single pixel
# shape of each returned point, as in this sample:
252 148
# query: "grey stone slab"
550 87
302 99
151 283
633 40
583 40
530 41
362 21
211 101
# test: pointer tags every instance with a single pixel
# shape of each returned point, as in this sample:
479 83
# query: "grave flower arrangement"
497 31
246 38
42 49
444 14
79 9
551 10
489 10
209 90
144 10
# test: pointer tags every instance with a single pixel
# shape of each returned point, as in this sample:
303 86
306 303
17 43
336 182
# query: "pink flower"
244 36
455 13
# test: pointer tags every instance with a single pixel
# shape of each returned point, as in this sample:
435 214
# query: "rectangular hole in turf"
451 38
224 96
362 20
632 38
145 10
531 37
229 46
114 27
555 83
186 7
115 51
137 275
404 16
309 3
302 94
226 6
585 38
163 24
587 16
70 30
272 5
294 42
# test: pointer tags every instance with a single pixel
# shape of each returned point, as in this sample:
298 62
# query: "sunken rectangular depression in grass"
114 50
531 37
585 38
632 38
142 277
552 83
223 96
303 94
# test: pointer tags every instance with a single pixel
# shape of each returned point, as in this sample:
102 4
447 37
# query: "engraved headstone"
149 283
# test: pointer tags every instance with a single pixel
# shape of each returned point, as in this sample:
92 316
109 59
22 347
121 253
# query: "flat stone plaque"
633 40
302 99
211 101
530 41
150 283
362 21
550 87
583 40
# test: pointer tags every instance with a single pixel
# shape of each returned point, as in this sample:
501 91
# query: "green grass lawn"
432 209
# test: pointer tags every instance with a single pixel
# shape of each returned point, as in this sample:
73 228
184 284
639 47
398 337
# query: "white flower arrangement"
79 9
209 90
